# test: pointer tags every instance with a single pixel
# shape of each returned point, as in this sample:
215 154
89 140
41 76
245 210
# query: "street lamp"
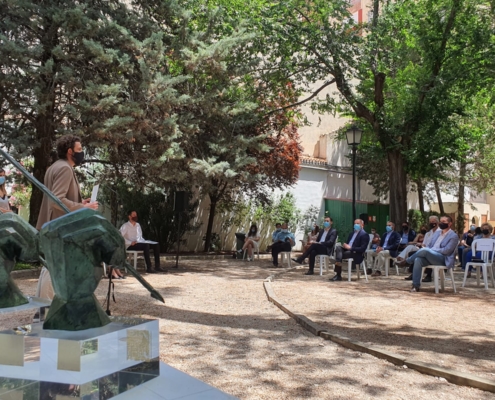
353 134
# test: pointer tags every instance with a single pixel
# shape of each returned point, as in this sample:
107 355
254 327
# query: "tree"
97 69
397 74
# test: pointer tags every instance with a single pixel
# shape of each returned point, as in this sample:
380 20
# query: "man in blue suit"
388 246
354 248
324 245
441 251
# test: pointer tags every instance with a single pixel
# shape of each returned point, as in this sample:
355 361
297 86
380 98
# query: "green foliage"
22 266
417 218
309 218
157 218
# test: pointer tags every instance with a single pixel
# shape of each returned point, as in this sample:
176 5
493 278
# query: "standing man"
388 247
354 248
324 245
441 251
133 236
61 180
283 241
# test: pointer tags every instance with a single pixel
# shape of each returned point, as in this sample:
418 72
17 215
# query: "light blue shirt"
322 239
353 238
386 239
284 235
405 238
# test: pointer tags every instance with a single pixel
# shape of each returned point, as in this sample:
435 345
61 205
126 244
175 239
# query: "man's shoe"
150 271
297 260
309 273
160 270
409 278
426 279
275 265
336 278
415 289
402 263
469 274
369 271
376 273
399 259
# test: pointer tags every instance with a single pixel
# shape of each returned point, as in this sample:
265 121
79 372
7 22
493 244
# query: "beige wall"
476 213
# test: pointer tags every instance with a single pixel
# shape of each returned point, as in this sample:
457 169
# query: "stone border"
458 378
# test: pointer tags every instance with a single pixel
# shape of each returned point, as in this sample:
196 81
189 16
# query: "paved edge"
458 378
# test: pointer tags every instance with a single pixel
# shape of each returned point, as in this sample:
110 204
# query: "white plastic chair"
324 261
358 266
486 246
135 254
439 271
256 250
285 255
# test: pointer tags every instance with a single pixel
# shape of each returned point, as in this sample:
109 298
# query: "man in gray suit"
61 180
441 251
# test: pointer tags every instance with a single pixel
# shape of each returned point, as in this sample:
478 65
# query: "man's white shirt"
131 233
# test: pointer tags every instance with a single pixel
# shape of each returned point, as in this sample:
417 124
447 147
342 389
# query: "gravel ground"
218 326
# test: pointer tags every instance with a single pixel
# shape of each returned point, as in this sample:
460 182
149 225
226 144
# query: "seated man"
388 247
408 236
354 248
133 236
427 242
466 241
441 251
283 241
324 245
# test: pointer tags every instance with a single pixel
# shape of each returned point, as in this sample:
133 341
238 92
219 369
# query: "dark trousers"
145 248
277 248
314 250
342 254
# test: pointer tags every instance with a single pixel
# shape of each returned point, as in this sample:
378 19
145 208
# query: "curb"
455 377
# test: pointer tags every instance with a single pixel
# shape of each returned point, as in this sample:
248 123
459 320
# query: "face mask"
285 230
278 230
405 228
326 224
423 231
388 228
357 227
485 232
253 230
134 219
443 225
78 158
2 180
433 225
473 227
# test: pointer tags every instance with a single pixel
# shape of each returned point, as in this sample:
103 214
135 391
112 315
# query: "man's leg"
306 254
380 262
340 254
276 248
156 251
370 257
317 250
145 248
425 257
459 253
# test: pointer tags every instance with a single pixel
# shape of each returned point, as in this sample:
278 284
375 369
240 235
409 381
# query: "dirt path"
218 326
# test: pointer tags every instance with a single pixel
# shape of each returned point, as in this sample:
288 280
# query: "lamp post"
353 139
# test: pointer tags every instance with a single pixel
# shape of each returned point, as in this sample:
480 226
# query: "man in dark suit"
407 237
354 248
388 246
324 245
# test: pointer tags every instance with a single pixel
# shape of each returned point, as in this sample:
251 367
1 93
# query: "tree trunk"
421 198
398 187
439 197
211 218
114 207
460 199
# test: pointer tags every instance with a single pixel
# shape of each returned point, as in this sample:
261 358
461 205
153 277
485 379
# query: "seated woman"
4 199
414 245
311 237
251 242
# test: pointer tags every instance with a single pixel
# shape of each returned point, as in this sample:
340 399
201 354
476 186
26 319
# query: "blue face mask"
388 228
2 180
357 227
285 230
326 224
